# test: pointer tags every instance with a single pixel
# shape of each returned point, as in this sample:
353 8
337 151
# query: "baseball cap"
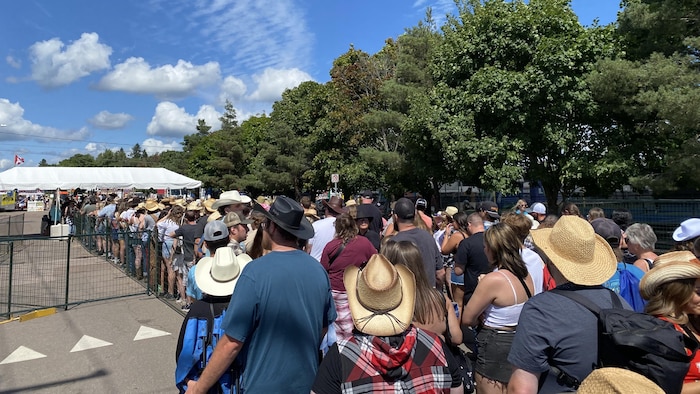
538 207
215 230
367 194
231 219
607 229
404 208
421 203
489 207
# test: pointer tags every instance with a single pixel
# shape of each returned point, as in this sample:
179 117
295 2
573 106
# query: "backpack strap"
563 378
585 302
210 333
336 254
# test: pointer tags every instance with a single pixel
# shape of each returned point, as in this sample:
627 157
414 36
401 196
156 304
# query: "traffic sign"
335 178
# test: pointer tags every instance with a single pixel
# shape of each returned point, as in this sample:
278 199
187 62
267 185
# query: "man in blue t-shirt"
281 311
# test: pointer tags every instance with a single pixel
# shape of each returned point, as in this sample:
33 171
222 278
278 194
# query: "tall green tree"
646 96
511 100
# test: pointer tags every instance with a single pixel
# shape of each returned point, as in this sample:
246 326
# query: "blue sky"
82 76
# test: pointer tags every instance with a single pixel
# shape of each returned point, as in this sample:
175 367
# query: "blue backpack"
625 282
198 343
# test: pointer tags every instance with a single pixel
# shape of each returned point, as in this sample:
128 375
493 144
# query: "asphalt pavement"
125 345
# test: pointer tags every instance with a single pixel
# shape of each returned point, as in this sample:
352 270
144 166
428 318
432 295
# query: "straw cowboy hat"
682 265
207 204
451 210
195 205
231 197
218 275
381 296
617 380
311 213
151 205
289 215
581 255
180 201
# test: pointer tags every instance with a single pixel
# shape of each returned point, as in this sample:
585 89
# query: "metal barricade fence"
664 216
93 264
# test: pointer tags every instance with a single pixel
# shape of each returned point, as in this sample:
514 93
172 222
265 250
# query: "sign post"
335 178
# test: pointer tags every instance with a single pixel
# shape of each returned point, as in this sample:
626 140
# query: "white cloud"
17 128
232 89
135 75
272 83
95 148
172 121
6 164
109 121
254 34
153 146
53 67
14 63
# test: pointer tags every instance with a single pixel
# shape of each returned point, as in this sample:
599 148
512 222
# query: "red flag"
18 160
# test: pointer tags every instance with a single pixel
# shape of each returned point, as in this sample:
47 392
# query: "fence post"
9 287
70 239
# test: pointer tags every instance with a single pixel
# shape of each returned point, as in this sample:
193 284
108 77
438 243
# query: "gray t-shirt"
432 259
557 331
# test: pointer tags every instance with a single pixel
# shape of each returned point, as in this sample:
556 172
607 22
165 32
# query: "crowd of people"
346 300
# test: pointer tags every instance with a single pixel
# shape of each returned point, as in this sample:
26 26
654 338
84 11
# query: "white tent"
52 178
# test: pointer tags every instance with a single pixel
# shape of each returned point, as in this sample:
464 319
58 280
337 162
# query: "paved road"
120 346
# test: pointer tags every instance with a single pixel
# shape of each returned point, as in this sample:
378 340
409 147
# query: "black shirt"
471 257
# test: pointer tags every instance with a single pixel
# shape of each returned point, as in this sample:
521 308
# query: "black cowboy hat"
289 215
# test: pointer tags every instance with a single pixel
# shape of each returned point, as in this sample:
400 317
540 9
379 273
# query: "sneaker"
180 301
186 307
169 296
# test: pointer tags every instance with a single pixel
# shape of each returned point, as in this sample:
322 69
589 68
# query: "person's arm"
484 295
523 382
451 240
225 352
453 323
691 388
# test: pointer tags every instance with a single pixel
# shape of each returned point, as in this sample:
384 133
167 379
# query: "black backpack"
639 342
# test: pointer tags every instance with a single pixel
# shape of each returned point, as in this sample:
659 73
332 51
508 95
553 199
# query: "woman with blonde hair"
672 289
496 305
432 311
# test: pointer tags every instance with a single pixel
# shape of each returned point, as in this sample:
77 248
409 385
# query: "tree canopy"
504 92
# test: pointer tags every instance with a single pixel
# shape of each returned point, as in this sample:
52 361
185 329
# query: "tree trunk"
551 192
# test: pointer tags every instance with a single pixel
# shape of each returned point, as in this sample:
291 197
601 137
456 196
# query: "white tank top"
504 316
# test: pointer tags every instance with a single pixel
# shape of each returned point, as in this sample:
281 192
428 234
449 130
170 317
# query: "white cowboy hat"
218 275
231 197
381 296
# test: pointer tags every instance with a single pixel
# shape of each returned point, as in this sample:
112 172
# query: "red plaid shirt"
371 365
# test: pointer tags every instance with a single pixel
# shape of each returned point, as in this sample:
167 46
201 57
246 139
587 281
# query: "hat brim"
332 208
494 215
602 266
208 285
667 272
223 203
370 323
304 232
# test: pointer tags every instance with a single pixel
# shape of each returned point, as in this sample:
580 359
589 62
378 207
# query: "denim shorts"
457 279
492 358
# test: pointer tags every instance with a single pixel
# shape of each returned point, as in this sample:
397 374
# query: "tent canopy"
51 178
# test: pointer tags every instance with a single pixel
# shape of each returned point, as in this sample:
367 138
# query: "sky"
84 76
